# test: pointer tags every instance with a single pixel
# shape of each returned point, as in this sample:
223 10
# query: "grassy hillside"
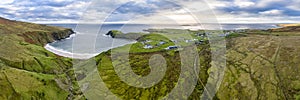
27 70
263 65
260 65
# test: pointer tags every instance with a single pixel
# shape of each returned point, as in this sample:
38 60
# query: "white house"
148 46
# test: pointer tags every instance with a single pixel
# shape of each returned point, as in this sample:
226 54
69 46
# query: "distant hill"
287 25
288 28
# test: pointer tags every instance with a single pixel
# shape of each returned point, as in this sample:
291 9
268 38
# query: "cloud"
244 3
259 6
37 3
258 11
126 11
6 2
43 10
272 12
232 11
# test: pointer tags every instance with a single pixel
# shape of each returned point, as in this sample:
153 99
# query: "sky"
152 11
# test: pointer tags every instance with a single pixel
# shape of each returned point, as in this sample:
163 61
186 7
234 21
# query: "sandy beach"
68 54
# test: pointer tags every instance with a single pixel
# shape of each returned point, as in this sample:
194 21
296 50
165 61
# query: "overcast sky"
224 11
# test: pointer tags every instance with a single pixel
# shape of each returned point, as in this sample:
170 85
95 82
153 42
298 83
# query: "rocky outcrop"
113 33
119 34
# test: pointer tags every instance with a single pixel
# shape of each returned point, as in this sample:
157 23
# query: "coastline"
67 54
63 53
83 56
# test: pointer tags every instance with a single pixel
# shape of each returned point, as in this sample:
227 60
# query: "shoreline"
68 54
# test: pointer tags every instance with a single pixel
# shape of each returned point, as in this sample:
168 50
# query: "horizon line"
158 23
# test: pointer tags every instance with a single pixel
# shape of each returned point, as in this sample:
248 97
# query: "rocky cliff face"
42 37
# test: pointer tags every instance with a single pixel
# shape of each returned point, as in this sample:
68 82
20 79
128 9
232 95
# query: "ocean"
103 43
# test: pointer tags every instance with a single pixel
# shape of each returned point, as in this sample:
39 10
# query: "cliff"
43 37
